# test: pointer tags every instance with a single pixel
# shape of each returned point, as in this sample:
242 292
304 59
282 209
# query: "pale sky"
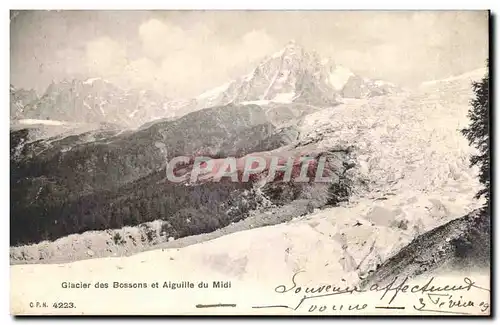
183 53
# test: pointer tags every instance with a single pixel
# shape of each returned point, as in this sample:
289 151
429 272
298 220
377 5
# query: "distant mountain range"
89 101
292 75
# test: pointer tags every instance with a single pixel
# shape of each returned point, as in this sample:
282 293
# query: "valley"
401 166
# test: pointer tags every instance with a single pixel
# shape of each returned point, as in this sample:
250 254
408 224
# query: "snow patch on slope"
262 102
44 122
133 113
284 97
338 78
90 81
281 98
212 93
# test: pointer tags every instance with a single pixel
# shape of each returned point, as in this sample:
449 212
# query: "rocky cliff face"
292 74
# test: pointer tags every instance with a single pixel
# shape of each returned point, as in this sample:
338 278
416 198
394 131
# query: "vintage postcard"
249 163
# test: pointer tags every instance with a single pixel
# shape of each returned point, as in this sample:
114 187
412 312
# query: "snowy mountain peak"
290 46
293 47
294 74
291 74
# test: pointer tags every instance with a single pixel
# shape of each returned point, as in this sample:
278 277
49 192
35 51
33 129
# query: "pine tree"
478 134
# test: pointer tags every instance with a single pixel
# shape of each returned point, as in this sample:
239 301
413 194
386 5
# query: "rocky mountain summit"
295 75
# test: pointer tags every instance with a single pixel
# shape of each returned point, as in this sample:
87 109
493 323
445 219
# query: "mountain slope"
292 75
411 174
463 243
75 177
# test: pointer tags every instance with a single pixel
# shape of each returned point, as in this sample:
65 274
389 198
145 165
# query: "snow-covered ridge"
471 75
44 122
214 92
